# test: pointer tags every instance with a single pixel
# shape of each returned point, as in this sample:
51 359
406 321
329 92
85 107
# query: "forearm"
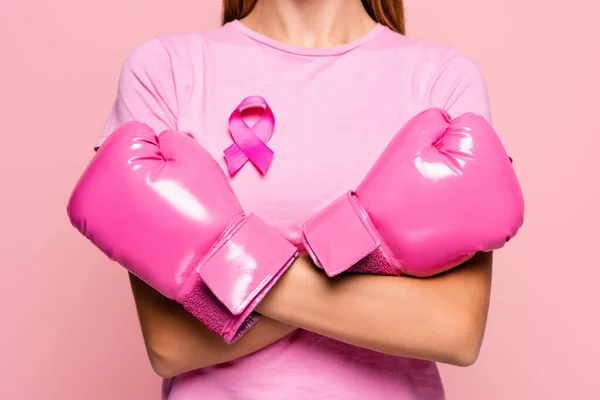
177 342
440 318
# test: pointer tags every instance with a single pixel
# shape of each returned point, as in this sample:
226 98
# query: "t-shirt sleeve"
458 86
145 92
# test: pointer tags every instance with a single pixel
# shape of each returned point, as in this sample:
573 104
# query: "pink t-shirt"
335 109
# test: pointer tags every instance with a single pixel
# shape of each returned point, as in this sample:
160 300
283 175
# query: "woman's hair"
386 12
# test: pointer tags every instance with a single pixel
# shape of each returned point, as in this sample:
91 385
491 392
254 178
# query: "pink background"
69 329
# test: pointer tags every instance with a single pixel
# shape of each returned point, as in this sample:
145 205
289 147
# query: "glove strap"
244 267
340 235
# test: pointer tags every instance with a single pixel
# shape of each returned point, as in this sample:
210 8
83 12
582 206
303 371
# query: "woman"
341 79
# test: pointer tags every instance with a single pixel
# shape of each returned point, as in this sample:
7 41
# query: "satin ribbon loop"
250 143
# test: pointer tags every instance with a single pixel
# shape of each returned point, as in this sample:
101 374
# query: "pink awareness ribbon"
250 143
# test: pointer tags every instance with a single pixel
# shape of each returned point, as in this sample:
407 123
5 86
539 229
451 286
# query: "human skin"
434 319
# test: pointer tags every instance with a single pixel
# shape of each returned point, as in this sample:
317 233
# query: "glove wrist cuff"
340 235
242 268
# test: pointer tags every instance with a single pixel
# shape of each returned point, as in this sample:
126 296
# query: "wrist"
297 293
235 276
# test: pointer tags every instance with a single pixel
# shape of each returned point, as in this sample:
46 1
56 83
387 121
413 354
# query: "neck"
310 23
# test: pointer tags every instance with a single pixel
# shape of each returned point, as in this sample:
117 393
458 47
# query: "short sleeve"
458 86
146 91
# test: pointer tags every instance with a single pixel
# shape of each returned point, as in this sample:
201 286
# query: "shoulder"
172 51
159 52
440 75
450 63
170 65
429 59
453 81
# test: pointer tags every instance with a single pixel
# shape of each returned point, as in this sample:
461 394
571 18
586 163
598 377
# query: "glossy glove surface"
161 207
442 190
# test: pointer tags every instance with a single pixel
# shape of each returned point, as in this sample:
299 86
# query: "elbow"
464 357
465 345
164 366
169 358
166 361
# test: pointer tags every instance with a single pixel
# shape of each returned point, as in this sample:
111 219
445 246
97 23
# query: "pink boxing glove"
161 206
441 191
